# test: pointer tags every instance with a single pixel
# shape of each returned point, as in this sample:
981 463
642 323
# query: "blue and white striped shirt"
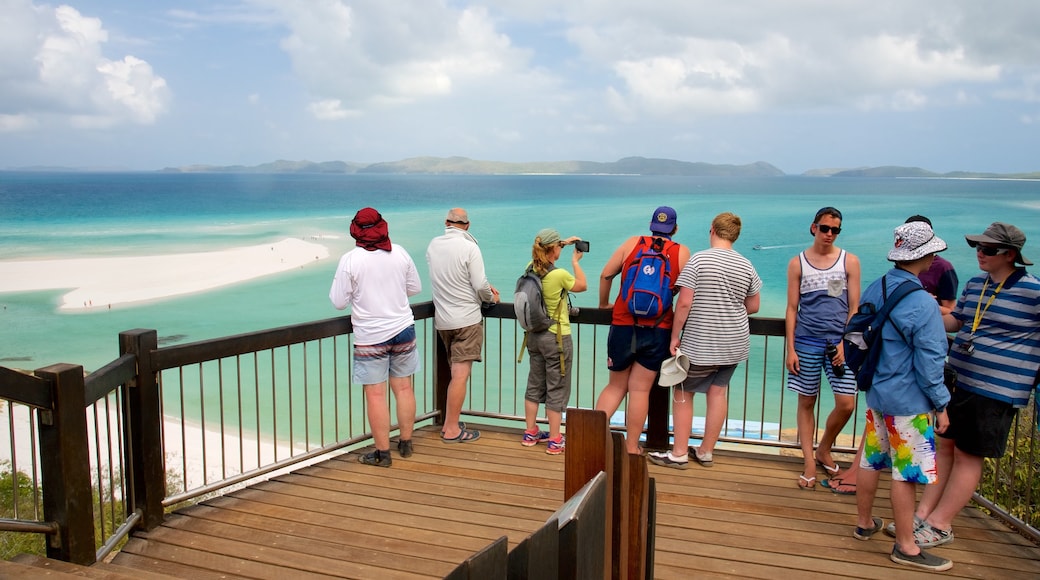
1006 355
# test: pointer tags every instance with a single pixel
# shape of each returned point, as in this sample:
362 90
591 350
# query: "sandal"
810 482
832 470
841 487
465 436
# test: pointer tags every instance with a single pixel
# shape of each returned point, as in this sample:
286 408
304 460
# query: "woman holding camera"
549 379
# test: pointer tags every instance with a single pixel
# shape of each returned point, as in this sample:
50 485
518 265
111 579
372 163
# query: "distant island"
625 166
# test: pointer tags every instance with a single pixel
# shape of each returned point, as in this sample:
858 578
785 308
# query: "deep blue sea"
47 215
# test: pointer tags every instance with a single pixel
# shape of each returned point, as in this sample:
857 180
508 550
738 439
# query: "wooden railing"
100 443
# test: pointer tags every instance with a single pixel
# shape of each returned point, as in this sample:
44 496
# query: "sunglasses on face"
829 229
987 250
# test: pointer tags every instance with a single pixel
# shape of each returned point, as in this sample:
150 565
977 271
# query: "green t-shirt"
555 285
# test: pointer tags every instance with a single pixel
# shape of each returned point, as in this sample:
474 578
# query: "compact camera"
581 246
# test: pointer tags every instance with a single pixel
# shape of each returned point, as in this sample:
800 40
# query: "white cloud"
56 73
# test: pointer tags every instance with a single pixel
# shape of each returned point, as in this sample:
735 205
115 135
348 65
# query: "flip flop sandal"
810 483
465 436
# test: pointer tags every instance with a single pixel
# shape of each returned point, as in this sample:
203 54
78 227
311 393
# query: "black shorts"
979 425
646 345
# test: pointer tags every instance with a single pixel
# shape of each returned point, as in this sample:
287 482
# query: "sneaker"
890 529
666 459
404 447
705 460
865 533
555 447
929 536
923 560
377 458
532 439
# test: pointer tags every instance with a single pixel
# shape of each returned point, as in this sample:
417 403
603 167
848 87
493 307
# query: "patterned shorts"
906 444
397 357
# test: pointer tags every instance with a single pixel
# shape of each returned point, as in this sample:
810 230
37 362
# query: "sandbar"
105 282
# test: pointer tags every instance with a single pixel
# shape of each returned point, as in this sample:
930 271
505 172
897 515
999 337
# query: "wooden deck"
743 518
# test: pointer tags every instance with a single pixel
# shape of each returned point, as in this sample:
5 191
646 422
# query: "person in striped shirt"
718 289
996 354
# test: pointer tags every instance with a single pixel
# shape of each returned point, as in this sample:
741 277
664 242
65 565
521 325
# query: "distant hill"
466 166
897 171
280 166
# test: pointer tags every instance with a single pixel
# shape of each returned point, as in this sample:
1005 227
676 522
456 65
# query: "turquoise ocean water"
63 215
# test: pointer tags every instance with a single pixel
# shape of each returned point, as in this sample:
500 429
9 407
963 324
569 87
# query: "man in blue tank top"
822 293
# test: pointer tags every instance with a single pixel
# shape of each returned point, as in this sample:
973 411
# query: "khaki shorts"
463 344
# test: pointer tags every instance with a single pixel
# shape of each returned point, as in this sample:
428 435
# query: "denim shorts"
397 357
646 345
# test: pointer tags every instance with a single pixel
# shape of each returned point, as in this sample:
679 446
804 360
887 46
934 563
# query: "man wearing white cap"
907 388
995 353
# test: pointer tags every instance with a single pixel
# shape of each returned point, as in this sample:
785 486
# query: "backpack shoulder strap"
901 291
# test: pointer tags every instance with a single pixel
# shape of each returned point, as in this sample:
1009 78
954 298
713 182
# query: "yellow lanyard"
979 314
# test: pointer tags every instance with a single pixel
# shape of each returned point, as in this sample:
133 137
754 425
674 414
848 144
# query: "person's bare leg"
836 420
903 495
806 434
531 415
404 397
640 381
378 414
555 422
960 486
846 481
865 493
460 372
617 387
682 421
933 493
714 417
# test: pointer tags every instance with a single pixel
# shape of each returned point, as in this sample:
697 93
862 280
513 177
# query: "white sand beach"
109 281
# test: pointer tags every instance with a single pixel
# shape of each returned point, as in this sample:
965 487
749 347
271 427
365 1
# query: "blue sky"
801 84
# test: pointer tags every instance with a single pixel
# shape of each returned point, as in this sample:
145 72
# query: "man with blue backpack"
904 391
641 324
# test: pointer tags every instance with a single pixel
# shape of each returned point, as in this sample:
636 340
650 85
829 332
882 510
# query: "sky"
801 84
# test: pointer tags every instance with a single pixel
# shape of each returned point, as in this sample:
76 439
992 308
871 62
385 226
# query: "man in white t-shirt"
375 280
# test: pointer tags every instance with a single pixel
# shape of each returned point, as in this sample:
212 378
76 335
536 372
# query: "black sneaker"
377 458
923 560
404 447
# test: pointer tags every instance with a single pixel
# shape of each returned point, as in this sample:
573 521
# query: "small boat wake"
761 247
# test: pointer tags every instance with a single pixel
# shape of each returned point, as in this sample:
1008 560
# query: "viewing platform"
236 457
742 518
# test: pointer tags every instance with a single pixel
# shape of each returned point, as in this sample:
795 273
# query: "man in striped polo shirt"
996 354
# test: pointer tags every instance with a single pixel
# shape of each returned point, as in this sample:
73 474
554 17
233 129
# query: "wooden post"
657 427
441 376
142 438
590 451
637 518
65 466
620 498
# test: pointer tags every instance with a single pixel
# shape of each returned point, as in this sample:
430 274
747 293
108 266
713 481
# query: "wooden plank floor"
743 518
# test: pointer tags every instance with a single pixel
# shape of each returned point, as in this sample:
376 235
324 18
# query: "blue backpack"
863 333
646 286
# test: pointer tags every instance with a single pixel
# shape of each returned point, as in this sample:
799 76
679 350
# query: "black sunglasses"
828 229
987 250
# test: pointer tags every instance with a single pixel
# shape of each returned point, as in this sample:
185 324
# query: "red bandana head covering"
370 230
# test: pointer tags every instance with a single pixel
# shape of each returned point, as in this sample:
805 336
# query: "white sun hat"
674 369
